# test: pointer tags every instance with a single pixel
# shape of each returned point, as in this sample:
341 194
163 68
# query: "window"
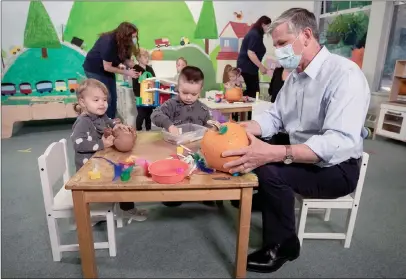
344 25
226 43
396 49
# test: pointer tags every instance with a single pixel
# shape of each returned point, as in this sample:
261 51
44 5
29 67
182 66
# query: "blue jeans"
110 83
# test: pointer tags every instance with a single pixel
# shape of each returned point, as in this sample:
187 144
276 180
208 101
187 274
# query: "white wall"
14 15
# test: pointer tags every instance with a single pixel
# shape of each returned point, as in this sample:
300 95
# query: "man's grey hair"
297 19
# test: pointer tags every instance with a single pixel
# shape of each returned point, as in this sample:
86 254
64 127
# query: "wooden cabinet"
392 121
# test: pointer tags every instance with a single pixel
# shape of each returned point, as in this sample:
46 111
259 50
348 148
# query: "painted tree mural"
206 26
39 30
3 55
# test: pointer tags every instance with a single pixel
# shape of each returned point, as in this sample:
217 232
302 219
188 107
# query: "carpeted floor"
195 240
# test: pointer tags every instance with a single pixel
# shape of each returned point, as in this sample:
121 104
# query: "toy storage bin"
189 133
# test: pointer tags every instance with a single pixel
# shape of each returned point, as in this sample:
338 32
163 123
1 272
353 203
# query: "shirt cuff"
267 130
324 150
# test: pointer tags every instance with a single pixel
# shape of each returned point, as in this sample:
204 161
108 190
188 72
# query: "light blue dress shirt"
323 107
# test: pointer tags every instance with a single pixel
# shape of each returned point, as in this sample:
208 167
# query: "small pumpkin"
123 140
233 94
157 55
226 136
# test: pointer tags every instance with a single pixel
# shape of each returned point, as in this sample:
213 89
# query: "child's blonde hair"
227 69
142 52
182 59
84 86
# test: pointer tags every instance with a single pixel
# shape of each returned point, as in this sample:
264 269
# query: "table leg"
85 234
243 232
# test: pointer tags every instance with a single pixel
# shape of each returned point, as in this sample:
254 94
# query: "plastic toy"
94 173
121 169
154 92
146 97
168 171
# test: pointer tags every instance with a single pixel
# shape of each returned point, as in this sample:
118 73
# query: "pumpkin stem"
214 123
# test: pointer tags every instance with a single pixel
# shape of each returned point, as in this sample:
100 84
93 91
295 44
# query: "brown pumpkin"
157 55
124 141
233 94
215 142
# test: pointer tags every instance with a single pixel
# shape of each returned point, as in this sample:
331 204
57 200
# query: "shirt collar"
315 65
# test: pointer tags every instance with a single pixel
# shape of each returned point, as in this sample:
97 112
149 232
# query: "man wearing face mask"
322 106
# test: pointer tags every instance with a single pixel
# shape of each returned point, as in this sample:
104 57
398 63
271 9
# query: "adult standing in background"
251 53
111 50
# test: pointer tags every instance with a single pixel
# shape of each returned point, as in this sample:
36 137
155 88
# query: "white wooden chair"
350 202
53 165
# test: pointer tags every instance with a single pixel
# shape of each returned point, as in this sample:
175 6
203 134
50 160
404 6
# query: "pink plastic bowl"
168 171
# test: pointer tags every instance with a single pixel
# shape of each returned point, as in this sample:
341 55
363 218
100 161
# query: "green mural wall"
163 19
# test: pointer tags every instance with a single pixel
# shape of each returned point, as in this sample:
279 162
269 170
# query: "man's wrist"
275 153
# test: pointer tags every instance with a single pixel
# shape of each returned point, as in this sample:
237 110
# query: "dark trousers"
279 182
125 206
252 86
143 114
110 83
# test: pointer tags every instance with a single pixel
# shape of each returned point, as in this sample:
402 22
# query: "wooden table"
229 108
140 188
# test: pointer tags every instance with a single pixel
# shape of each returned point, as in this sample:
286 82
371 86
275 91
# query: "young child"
88 129
180 64
232 77
143 113
184 108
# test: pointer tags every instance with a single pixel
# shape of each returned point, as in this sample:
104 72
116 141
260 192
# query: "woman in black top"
251 53
111 50
278 79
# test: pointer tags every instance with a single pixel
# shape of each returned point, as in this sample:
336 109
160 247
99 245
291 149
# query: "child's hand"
122 127
173 130
108 142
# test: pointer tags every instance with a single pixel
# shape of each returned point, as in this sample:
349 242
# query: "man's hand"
108 142
173 130
257 154
252 127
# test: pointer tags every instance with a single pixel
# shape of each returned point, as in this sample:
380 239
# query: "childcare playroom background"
48 42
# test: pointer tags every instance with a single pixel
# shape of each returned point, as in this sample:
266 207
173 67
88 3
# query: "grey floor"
195 240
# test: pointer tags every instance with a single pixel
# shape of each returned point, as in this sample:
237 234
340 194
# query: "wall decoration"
195 57
155 20
206 26
238 16
39 29
230 43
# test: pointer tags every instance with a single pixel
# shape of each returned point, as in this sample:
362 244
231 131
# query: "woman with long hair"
251 53
111 50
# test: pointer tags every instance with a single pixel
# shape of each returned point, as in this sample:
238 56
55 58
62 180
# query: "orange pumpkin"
233 94
215 142
157 55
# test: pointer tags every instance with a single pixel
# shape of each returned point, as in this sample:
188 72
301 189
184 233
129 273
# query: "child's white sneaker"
136 214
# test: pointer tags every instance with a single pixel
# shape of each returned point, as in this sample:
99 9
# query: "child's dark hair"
84 86
228 68
191 74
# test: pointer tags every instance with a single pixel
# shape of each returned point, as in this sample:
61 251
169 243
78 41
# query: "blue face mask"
287 57
135 40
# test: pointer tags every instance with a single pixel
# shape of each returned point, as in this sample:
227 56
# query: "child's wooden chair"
53 165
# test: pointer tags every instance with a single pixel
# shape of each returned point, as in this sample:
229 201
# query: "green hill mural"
163 19
195 57
62 63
